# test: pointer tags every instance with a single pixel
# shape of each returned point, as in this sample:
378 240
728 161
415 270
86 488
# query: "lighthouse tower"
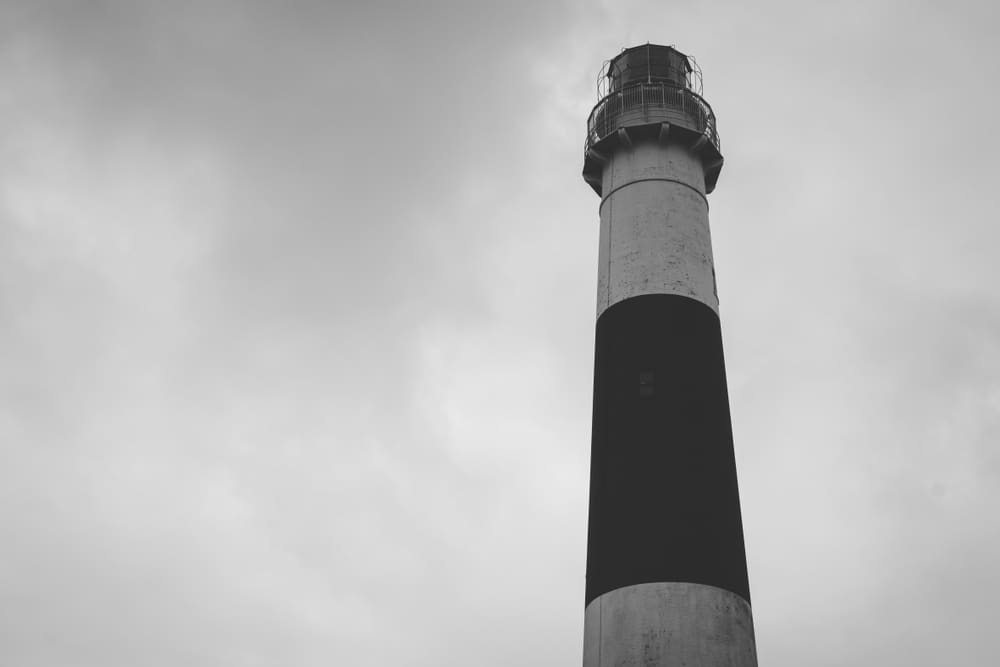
666 566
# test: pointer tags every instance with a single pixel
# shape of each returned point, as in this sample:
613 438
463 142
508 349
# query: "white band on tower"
669 624
654 235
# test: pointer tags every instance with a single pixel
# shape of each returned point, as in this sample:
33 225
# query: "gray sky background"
296 327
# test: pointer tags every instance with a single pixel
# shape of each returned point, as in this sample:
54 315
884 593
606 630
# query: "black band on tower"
664 503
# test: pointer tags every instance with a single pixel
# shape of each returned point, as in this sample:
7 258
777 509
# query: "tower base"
669 625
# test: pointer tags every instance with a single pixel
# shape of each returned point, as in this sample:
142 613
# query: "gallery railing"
645 103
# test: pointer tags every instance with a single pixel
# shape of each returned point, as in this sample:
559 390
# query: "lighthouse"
666 576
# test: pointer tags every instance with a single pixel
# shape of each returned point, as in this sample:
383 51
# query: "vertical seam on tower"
611 221
600 630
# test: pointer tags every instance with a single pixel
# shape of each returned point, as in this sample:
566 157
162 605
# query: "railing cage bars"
640 102
692 78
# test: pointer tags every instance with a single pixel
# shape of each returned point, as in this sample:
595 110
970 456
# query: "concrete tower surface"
666 566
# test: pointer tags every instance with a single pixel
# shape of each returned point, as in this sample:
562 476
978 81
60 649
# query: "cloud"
297 362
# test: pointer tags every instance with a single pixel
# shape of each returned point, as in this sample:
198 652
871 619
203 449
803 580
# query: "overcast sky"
296 326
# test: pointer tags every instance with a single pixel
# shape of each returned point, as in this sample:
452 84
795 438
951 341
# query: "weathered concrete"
669 625
654 236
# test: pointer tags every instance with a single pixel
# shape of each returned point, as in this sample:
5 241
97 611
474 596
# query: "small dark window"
646 383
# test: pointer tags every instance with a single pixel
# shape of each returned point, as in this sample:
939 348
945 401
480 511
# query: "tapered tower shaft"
666 567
